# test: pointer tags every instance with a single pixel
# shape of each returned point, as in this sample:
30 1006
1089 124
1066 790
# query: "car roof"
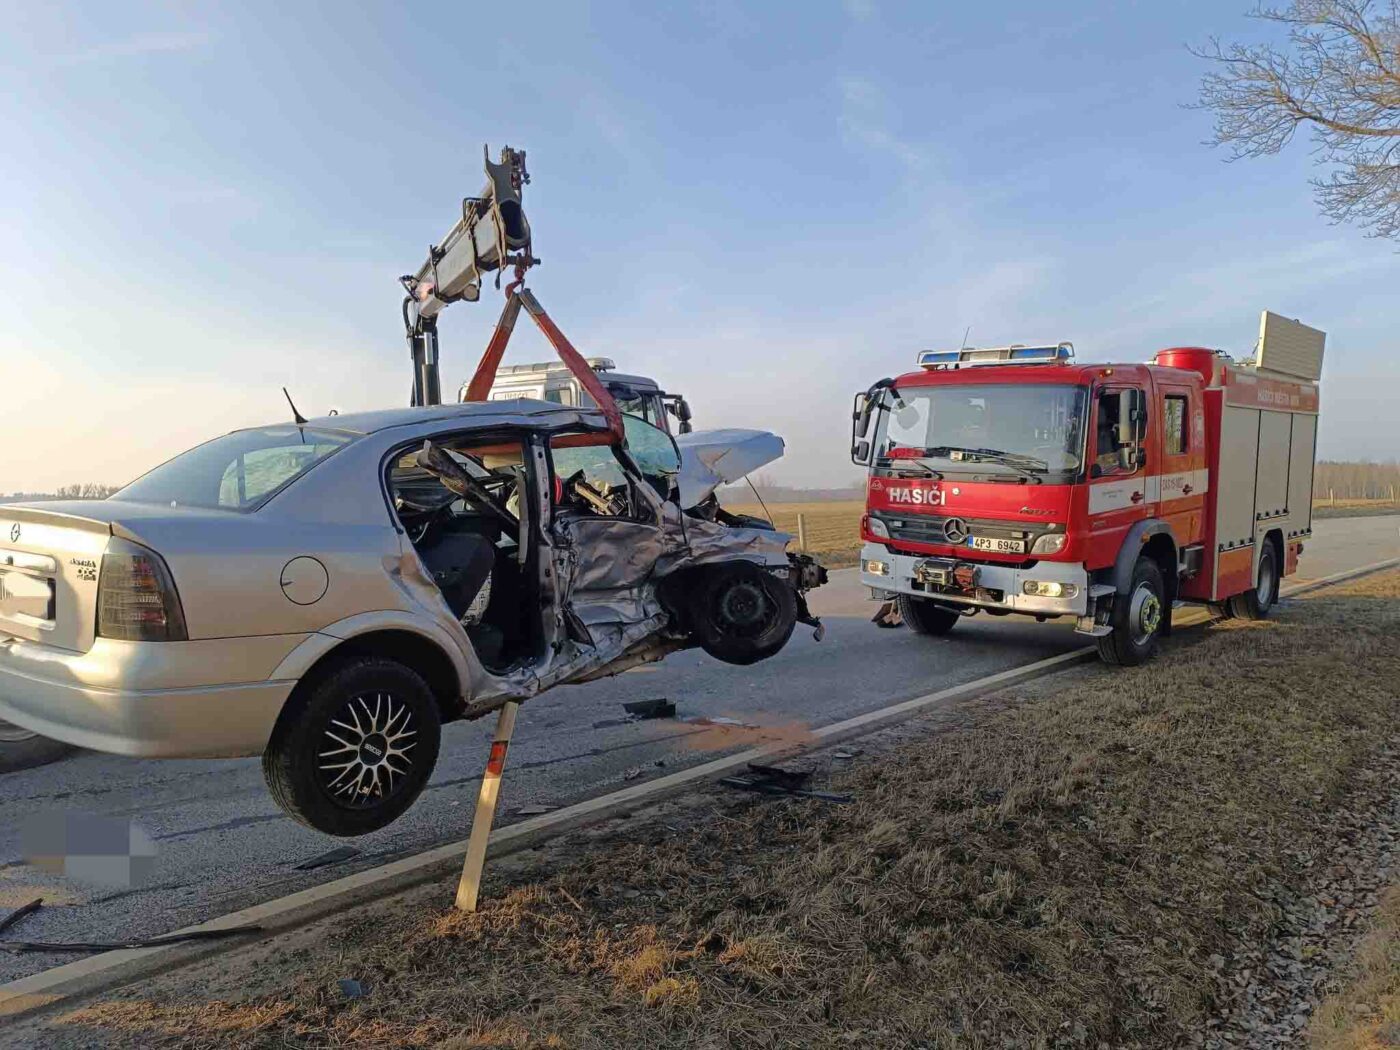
513 412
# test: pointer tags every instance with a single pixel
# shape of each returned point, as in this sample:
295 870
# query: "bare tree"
1340 75
87 490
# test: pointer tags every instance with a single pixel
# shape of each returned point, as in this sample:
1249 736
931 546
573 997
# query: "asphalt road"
223 845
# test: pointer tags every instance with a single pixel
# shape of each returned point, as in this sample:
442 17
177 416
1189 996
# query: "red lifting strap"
480 385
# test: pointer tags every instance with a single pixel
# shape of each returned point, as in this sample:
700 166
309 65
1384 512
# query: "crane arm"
491 227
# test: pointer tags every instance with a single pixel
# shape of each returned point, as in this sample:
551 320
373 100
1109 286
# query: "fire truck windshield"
994 428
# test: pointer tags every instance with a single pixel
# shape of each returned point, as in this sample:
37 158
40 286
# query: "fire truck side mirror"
860 453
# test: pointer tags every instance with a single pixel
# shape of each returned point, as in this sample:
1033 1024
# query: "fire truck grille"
929 528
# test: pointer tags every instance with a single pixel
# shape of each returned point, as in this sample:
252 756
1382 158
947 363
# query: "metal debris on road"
643 709
112 946
19 913
846 754
791 774
335 856
764 786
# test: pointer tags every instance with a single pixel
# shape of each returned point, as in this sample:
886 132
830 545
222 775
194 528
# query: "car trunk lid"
50 558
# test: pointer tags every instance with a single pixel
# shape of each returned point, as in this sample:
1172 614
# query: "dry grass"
833 526
1366 1014
1066 871
1354 508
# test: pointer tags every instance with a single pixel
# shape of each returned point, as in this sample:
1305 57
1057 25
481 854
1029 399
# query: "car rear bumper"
204 699
996 587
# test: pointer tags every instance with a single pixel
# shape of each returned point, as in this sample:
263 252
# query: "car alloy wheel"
367 749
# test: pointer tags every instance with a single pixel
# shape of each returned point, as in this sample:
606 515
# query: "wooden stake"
469 887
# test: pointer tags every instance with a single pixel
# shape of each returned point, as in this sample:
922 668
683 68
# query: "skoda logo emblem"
955 530
14 533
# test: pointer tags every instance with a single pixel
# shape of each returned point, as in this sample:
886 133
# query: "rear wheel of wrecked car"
743 614
926 617
354 747
23 749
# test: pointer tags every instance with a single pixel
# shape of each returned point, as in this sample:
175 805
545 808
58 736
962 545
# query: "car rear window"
237 471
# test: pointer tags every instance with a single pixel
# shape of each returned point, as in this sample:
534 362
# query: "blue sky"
764 205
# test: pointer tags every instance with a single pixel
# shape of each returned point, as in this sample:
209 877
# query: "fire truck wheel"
925 617
1255 604
1137 618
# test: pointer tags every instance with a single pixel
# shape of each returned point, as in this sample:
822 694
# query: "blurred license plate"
22 594
996 546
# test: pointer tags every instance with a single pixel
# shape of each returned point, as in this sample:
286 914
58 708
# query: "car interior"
460 502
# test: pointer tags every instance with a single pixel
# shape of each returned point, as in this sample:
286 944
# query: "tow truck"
1015 480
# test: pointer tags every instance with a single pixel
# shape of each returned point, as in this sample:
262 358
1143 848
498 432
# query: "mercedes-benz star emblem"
955 530
14 533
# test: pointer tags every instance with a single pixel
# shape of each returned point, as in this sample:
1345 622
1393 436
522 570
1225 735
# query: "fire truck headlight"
877 527
1049 589
877 568
1050 543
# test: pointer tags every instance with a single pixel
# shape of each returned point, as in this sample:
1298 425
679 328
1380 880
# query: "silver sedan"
327 594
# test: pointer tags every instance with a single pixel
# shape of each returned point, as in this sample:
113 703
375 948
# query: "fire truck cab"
1014 480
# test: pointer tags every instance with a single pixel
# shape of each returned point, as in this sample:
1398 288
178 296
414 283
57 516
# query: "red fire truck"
1015 480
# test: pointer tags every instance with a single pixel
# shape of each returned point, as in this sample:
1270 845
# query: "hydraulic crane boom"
492 226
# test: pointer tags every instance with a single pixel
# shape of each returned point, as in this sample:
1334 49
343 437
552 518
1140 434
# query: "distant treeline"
1356 480
89 490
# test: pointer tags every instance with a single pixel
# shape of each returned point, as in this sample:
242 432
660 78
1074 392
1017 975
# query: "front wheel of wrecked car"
354 747
743 614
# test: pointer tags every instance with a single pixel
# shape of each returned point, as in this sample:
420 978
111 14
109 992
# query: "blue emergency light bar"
1016 354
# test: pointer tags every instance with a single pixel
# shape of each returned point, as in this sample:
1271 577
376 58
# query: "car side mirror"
1127 457
686 427
860 452
683 411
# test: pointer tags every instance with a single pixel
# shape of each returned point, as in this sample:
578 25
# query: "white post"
469 887
802 532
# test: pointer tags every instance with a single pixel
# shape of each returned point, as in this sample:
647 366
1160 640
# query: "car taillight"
136 599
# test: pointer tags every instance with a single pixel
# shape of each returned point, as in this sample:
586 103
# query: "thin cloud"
864 121
860 10
138 46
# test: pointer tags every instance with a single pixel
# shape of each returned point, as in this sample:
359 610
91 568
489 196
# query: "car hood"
711 458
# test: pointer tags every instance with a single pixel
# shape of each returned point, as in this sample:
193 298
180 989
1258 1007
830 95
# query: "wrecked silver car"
327 593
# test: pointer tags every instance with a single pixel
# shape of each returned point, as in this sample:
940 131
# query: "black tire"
1137 618
22 749
1255 603
359 704
925 617
743 614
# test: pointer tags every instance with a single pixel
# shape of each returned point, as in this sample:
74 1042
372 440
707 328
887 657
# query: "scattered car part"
645 709
766 786
20 913
335 856
112 946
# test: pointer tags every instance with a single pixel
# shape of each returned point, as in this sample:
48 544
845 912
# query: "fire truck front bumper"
1048 588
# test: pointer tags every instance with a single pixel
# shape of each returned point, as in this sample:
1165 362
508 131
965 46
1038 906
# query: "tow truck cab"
1015 480
552 381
